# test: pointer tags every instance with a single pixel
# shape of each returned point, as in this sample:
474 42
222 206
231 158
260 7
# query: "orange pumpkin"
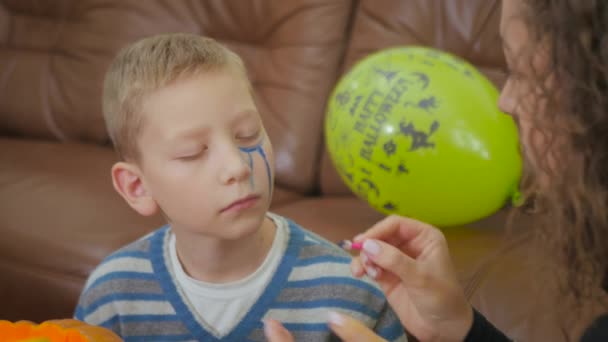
62 330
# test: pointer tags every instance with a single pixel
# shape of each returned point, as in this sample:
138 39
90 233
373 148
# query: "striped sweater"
133 292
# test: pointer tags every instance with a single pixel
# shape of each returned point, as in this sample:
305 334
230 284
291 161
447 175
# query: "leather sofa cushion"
54 56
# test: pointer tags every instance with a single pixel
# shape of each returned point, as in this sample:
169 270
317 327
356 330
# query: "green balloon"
417 132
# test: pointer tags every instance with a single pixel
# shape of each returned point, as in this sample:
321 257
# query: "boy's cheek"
269 151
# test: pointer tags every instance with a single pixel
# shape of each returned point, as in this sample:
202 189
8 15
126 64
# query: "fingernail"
372 272
364 259
335 318
356 269
371 247
358 237
267 327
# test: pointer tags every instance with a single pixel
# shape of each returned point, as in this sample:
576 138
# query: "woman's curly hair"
568 142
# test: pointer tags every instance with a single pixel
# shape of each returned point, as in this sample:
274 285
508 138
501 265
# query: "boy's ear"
127 180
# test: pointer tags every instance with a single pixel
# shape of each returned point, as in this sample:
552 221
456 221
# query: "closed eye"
194 155
249 139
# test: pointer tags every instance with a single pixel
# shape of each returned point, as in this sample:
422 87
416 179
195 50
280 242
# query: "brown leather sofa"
58 212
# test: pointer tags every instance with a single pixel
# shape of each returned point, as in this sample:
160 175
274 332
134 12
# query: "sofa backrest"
53 56
467 28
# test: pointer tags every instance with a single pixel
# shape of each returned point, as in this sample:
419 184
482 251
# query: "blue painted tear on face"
250 151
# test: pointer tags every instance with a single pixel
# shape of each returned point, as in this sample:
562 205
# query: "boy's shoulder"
133 259
311 243
320 278
320 260
122 277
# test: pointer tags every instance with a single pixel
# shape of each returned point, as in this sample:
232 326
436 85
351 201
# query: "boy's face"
206 160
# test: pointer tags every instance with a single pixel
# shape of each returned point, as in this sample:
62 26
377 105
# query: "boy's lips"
242 203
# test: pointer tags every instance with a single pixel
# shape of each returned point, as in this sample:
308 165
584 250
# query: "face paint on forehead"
250 151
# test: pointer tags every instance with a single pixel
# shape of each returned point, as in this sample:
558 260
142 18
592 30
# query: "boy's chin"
244 227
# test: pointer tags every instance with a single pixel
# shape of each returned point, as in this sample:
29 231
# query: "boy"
181 114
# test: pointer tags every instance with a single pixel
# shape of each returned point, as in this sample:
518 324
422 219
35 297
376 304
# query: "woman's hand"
275 332
411 263
347 328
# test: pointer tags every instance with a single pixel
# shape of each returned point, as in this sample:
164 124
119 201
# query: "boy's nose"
237 166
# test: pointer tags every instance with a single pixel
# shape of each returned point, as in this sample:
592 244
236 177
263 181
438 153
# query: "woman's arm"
598 331
482 330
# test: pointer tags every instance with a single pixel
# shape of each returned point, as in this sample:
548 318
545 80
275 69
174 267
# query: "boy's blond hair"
148 65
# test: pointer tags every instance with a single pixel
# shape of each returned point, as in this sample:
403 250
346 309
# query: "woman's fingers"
347 328
409 235
351 330
390 259
275 332
356 267
393 225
